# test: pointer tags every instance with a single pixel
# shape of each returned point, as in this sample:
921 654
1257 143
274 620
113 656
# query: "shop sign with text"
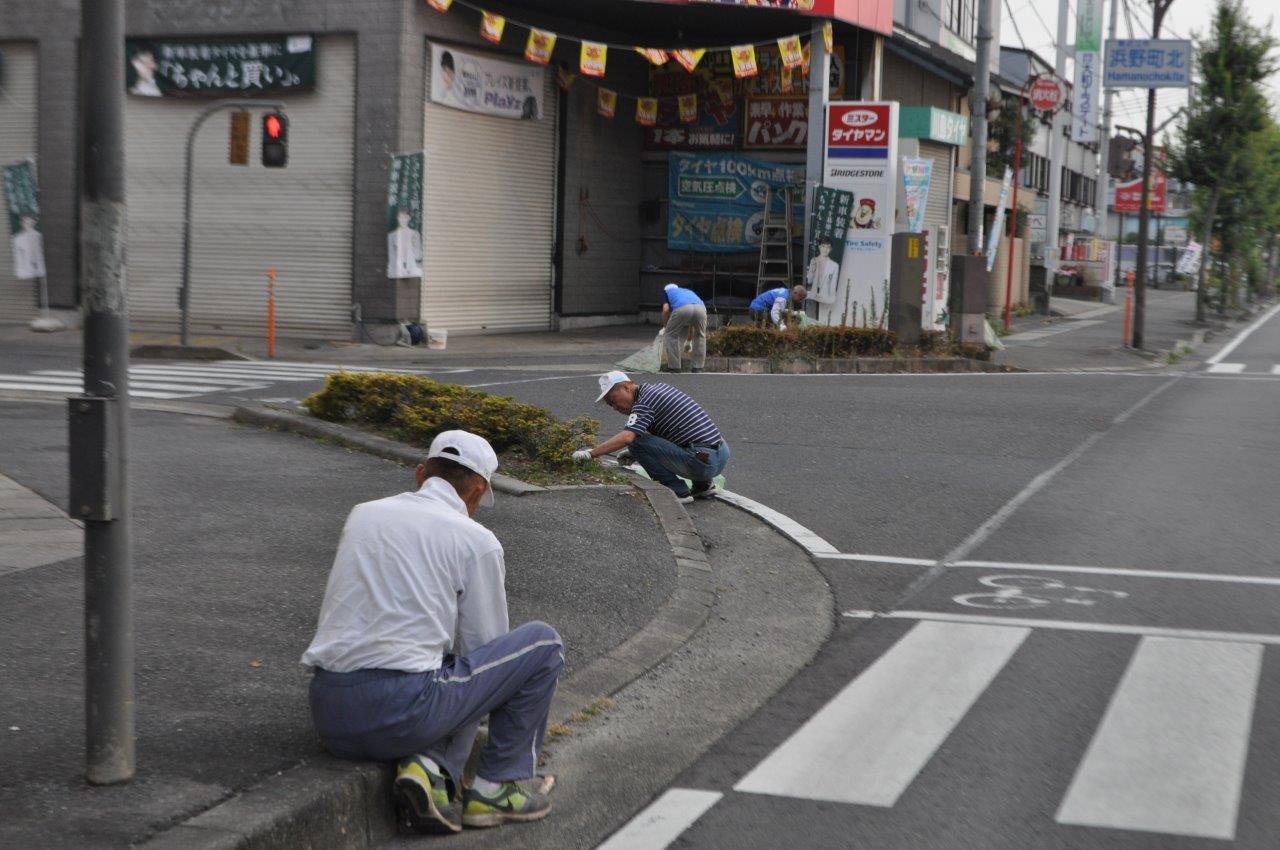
219 67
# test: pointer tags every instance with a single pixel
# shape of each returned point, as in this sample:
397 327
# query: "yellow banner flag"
440 5
491 26
828 38
606 102
591 59
807 60
539 46
689 59
723 87
564 77
647 111
653 54
786 82
744 61
688 108
792 54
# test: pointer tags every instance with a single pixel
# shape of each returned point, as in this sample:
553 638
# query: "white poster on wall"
861 155
476 82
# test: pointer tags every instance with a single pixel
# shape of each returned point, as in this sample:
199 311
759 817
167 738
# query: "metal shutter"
297 219
18 123
489 222
937 209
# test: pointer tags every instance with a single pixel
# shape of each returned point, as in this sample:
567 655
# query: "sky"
1037 22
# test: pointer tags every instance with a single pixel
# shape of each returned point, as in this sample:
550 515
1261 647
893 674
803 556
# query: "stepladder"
776 226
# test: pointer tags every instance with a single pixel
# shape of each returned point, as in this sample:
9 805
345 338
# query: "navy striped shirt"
666 412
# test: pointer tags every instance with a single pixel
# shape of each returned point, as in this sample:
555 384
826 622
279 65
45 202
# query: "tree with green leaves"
1003 135
1215 148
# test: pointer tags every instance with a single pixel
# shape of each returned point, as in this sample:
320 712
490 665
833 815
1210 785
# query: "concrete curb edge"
325 802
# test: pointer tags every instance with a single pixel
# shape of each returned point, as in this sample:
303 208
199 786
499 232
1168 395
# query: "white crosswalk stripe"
663 820
1275 370
172 380
1226 368
868 743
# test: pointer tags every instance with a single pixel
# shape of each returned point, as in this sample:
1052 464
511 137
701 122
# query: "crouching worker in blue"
667 433
411 572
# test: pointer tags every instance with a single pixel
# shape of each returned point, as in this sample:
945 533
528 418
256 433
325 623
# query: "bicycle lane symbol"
1016 592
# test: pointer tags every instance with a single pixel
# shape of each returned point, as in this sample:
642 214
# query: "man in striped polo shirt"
667 433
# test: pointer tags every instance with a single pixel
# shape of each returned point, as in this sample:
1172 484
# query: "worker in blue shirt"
683 315
773 303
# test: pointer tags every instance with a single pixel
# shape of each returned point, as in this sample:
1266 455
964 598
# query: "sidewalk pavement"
234 531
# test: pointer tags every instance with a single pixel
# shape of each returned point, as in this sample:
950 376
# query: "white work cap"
469 450
671 286
609 380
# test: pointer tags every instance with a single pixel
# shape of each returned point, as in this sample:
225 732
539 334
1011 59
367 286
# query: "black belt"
715 447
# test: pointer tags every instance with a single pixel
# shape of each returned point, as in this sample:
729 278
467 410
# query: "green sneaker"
423 796
511 803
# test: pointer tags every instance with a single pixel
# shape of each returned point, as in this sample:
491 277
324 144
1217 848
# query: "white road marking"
1169 755
1242 336
76 388
212 382
807 539
1226 368
1074 626
1069 325
868 743
1230 578
532 380
1275 370
879 559
663 820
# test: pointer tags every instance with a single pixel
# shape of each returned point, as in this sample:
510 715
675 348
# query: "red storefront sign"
776 123
1046 94
1129 195
859 130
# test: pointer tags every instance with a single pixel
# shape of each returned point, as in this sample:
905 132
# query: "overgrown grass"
837 342
530 442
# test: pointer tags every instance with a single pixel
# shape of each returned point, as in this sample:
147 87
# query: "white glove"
582 454
662 331
782 326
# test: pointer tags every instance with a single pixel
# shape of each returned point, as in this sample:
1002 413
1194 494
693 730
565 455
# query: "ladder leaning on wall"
775 241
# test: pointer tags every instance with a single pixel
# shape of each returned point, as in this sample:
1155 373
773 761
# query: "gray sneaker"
510 804
423 798
704 490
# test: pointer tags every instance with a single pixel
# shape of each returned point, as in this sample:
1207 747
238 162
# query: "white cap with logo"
609 380
469 450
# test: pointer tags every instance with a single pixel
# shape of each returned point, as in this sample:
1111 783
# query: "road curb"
326 802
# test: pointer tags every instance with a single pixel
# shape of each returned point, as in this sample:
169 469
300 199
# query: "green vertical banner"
22 203
832 209
404 216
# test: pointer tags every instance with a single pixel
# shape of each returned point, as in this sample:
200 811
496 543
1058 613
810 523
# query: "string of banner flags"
593 58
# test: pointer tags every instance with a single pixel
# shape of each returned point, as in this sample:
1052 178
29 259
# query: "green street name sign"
937 125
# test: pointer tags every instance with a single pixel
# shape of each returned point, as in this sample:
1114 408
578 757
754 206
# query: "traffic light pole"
184 293
98 419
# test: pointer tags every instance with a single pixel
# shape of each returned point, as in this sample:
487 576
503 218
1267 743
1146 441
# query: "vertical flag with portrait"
404 216
22 202
832 209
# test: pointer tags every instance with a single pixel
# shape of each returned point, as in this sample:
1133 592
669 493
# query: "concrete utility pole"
1158 10
1103 194
816 145
978 120
99 418
1057 153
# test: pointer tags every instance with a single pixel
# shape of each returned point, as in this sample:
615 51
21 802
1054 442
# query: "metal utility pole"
819 78
1057 154
978 117
1103 189
1158 10
99 418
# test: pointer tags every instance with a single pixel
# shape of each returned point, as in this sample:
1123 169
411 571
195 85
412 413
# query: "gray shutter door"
18 125
489 222
246 219
937 211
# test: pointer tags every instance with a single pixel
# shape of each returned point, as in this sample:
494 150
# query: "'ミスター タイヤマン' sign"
1147 64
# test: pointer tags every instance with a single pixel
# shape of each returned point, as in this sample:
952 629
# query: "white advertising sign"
1148 63
479 83
1189 259
997 226
860 156
1088 83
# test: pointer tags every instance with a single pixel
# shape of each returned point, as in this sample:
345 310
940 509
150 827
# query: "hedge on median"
827 341
414 409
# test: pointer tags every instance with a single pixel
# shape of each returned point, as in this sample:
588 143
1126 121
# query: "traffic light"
275 140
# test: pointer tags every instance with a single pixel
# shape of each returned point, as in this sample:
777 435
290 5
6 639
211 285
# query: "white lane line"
1275 370
1229 578
1074 626
1169 755
76 388
868 743
327 367
242 374
210 382
532 380
811 542
663 820
1226 368
1242 336
878 559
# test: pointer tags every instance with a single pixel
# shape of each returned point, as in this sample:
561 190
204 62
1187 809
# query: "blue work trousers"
391 714
667 463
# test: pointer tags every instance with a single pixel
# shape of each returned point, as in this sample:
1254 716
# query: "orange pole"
1128 318
271 312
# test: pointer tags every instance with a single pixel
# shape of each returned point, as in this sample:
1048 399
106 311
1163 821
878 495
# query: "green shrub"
415 409
748 341
812 340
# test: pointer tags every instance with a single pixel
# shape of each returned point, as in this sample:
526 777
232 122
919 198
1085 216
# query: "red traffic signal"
275 140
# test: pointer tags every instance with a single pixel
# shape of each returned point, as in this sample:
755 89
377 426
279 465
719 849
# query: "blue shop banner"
717 200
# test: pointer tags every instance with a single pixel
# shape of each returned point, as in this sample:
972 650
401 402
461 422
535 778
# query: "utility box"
968 304
906 286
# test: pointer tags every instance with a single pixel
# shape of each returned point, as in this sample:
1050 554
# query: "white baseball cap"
469 450
671 286
609 380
